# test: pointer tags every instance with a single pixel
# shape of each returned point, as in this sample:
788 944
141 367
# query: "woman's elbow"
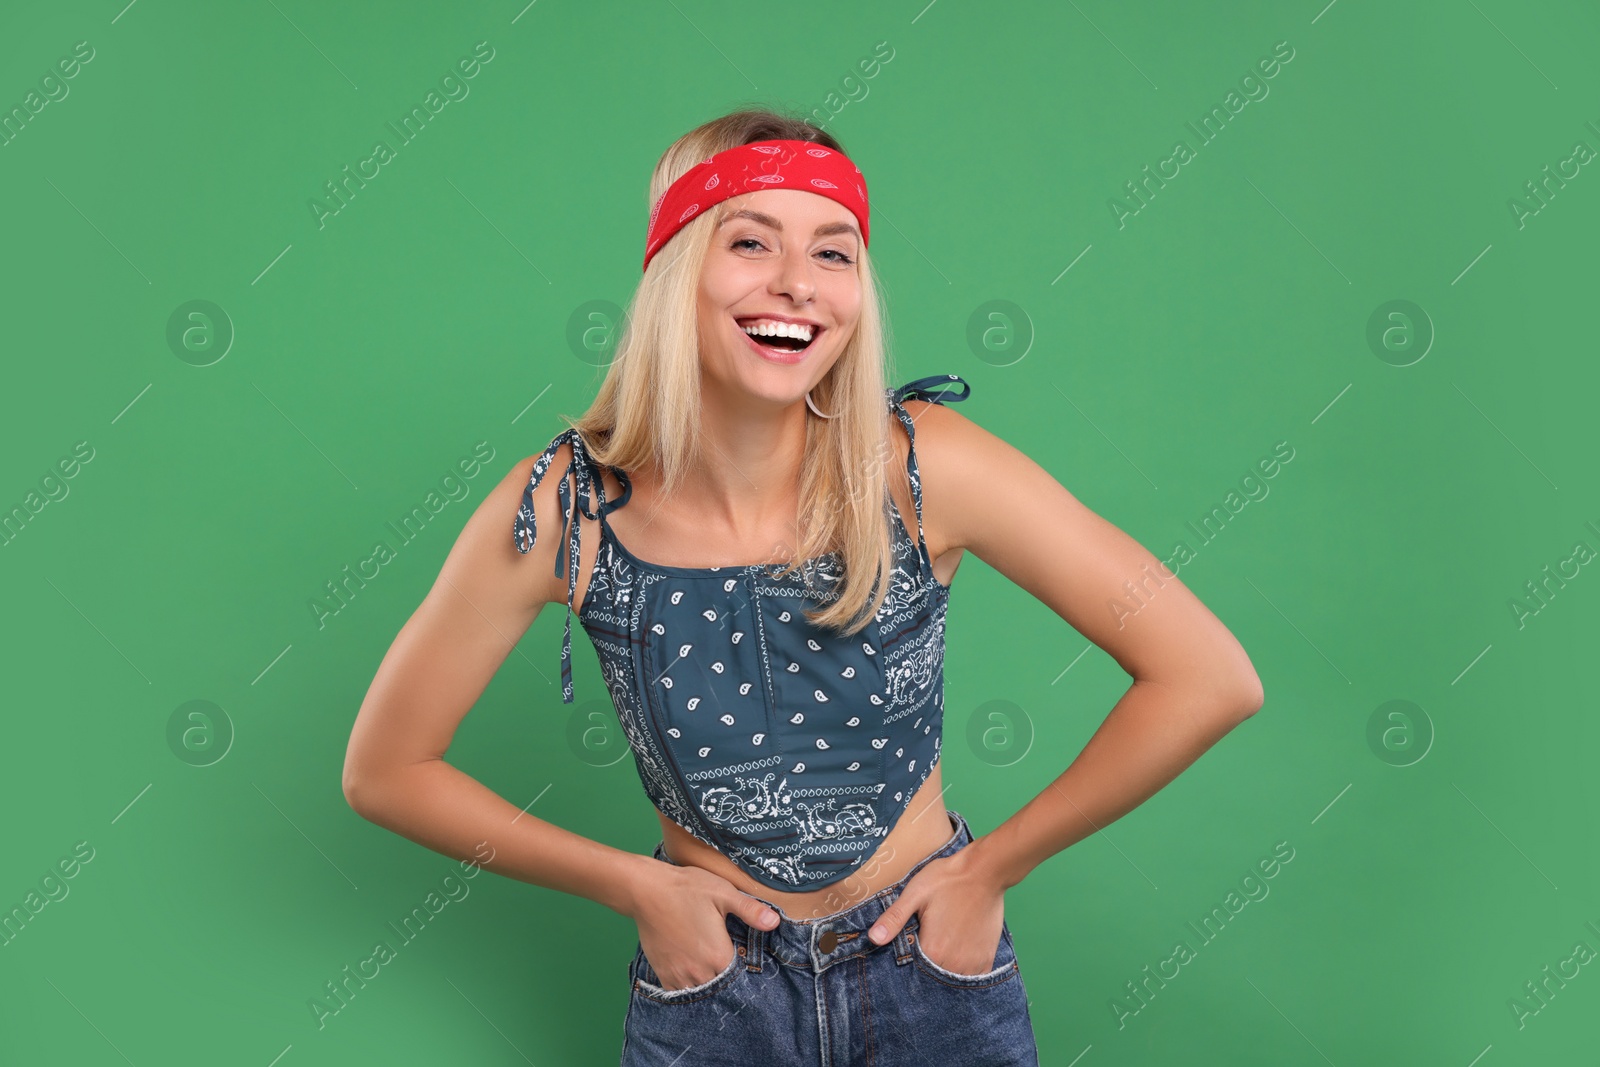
1251 696
352 792
1229 698
1235 683
359 791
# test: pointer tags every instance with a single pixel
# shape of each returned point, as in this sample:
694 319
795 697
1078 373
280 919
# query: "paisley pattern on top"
790 749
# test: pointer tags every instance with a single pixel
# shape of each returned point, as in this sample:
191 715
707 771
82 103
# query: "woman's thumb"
754 912
893 918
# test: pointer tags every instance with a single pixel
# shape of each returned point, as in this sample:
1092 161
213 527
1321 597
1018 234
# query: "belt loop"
752 948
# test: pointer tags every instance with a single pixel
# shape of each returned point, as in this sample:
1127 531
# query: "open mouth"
784 340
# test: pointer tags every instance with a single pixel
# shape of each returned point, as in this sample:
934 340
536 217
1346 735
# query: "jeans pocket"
1004 969
646 982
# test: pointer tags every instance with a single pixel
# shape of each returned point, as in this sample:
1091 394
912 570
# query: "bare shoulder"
982 494
958 461
509 544
488 548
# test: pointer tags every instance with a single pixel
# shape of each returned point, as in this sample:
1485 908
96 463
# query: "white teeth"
766 328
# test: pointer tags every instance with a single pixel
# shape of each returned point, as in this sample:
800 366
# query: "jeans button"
828 941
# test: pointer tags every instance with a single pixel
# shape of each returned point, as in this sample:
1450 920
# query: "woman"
812 900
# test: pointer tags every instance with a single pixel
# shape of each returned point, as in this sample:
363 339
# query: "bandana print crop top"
789 748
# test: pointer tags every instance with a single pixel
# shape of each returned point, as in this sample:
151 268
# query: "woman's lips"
780 355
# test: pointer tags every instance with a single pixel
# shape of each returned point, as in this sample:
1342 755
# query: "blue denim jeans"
819 993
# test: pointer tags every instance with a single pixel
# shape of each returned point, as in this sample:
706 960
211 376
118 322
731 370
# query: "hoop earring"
813 407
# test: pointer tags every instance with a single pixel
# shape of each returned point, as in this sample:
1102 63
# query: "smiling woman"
759 536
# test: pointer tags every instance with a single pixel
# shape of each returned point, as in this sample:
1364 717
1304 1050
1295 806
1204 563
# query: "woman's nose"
794 278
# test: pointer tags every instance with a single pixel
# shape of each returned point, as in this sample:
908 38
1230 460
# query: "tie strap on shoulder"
937 389
590 499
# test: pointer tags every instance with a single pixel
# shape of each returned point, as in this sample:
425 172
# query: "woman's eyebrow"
764 219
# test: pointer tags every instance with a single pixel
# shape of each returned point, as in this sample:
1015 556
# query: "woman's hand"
681 927
960 911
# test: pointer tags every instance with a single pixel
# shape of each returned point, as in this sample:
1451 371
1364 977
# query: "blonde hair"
646 413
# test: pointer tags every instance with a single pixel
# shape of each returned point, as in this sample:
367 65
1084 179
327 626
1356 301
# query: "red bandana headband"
746 168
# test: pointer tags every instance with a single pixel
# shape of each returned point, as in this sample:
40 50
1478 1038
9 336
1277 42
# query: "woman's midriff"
923 829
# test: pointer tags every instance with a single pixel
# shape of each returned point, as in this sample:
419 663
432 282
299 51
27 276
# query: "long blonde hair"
647 409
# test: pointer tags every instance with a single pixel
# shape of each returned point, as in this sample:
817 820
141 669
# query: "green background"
1438 865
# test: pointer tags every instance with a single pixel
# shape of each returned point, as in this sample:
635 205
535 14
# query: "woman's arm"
485 598
1192 682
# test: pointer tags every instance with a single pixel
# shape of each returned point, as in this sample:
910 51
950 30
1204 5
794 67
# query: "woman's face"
778 255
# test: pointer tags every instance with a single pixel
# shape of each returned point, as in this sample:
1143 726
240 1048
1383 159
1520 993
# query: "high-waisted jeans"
819 993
